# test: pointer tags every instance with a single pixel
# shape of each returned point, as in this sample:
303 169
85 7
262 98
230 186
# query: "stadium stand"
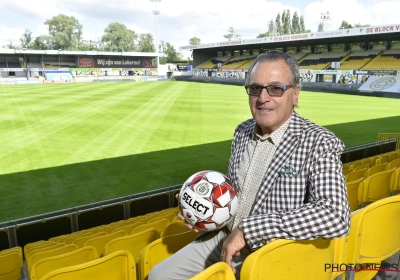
159 225
388 60
213 62
322 60
357 59
100 241
238 62
352 193
173 228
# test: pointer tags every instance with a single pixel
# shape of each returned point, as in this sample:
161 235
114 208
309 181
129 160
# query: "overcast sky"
180 20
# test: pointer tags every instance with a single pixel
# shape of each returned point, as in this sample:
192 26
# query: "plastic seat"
159 226
375 234
396 182
100 241
375 169
376 187
32 259
355 175
352 193
80 242
11 265
128 227
17 249
173 228
36 250
46 265
218 271
133 243
291 259
393 164
161 249
119 265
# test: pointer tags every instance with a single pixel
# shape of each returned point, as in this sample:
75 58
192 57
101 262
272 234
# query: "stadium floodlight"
156 13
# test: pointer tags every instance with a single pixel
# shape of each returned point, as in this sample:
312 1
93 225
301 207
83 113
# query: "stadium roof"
380 33
64 52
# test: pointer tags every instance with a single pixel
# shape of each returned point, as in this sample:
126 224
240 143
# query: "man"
286 170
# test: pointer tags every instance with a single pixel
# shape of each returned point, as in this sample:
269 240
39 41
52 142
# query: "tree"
283 17
26 39
320 27
170 53
119 38
302 25
194 41
231 35
42 42
357 25
296 24
262 35
278 24
271 28
10 46
145 43
65 32
345 25
287 25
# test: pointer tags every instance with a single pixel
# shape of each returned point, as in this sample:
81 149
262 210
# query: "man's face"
271 112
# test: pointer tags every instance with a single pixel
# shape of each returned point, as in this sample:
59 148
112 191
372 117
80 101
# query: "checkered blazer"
303 194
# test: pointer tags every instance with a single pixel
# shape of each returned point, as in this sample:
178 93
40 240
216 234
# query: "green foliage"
118 38
65 32
320 27
146 43
232 34
194 41
302 25
296 24
26 39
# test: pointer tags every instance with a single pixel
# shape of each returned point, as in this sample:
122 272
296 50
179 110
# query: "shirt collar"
275 137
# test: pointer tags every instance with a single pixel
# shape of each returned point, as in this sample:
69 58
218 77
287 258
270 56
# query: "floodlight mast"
156 13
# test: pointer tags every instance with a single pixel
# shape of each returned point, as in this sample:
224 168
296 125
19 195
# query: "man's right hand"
180 217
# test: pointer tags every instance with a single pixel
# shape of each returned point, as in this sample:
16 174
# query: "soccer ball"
207 200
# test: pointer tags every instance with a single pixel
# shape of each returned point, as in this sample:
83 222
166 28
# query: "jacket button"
264 241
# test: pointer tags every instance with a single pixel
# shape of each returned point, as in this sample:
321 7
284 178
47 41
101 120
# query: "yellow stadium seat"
363 166
11 265
393 164
133 243
352 193
80 242
218 271
355 175
128 227
375 234
291 259
46 265
31 246
158 225
17 249
376 187
161 249
396 182
33 258
119 265
375 169
174 228
100 241
35 250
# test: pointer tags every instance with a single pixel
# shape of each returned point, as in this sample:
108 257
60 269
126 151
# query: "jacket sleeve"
326 214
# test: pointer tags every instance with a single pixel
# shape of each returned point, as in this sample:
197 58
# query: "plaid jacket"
303 194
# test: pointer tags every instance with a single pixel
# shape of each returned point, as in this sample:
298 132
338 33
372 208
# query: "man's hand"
232 246
180 217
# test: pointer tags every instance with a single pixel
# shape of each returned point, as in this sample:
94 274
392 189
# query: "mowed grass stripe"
105 140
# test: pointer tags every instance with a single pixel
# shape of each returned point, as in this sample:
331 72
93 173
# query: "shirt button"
264 241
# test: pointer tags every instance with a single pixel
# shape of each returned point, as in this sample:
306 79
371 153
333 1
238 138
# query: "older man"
286 170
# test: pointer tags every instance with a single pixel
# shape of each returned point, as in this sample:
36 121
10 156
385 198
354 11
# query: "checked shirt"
303 192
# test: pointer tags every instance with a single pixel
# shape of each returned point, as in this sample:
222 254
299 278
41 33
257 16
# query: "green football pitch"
66 145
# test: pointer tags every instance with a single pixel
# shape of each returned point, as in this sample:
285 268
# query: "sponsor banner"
381 83
56 81
358 31
232 70
87 61
306 75
19 82
12 69
382 72
228 74
347 78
